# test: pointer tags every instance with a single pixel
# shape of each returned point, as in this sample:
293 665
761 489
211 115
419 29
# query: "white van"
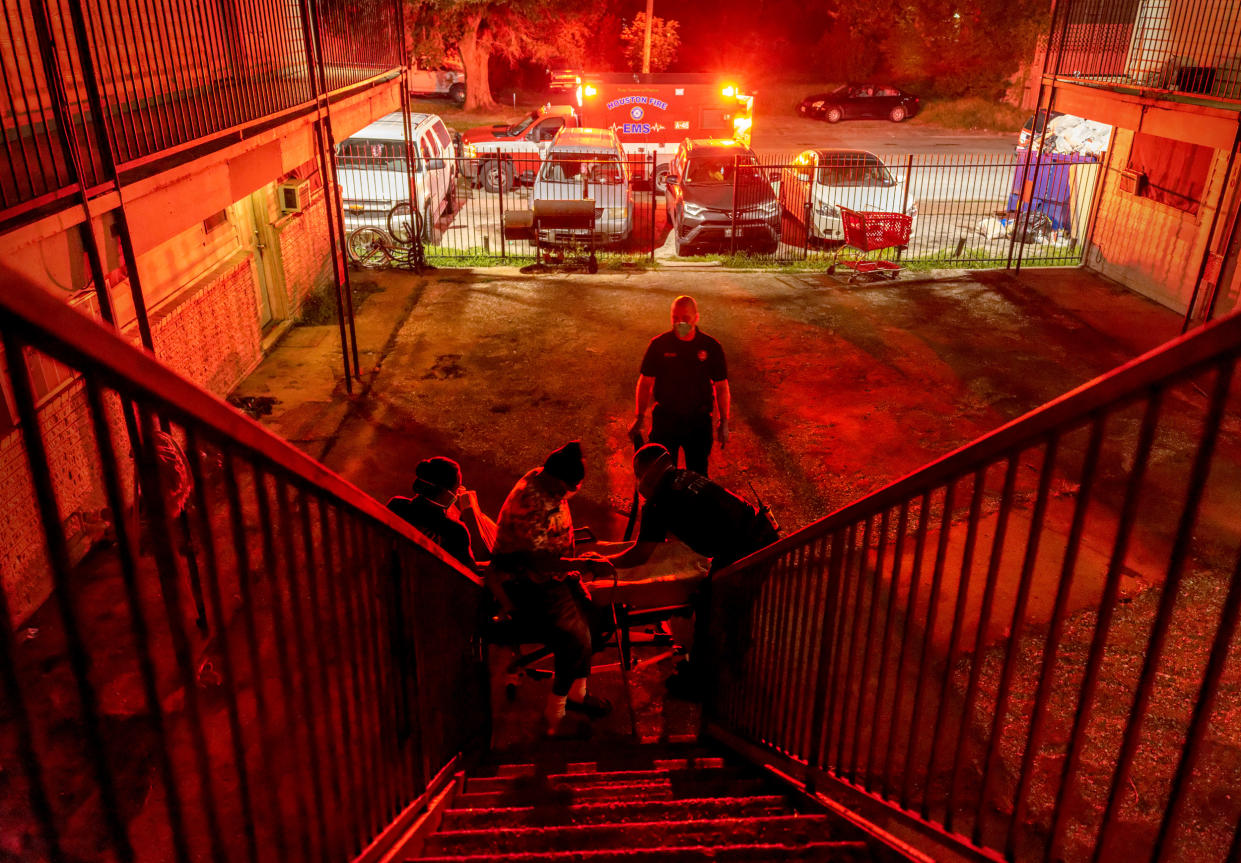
370 167
588 163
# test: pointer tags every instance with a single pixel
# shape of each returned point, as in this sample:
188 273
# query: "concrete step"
543 782
820 852
613 812
531 768
791 830
615 755
652 789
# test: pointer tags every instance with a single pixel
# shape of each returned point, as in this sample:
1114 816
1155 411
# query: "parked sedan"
819 182
860 102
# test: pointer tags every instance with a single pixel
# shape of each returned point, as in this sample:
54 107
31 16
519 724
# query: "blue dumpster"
1051 193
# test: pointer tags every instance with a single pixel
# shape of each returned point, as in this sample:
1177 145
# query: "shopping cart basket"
868 232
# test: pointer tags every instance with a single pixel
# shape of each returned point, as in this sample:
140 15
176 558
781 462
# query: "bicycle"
371 247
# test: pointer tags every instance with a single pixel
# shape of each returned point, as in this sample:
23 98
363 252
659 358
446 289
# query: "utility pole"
646 42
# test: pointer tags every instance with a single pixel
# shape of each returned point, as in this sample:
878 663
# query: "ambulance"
654 113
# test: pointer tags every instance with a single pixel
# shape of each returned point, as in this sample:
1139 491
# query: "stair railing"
241 656
1020 651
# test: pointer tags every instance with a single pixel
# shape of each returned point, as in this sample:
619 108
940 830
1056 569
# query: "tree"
664 42
513 29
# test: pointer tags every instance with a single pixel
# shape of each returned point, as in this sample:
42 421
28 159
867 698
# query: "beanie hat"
567 465
647 456
436 474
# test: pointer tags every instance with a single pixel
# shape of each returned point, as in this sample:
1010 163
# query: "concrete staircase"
666 802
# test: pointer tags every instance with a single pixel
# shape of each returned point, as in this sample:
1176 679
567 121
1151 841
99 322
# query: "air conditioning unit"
293 196
1133 182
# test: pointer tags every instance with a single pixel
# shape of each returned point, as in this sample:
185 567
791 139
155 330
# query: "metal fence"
968 211
1028 647
91 87
1187 47
249 660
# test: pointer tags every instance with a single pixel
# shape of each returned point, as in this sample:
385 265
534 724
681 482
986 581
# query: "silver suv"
588 164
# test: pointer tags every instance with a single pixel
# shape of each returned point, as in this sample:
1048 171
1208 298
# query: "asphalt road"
791 134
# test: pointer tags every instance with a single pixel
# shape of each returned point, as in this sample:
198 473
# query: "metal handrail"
336 674
1180 357
945 649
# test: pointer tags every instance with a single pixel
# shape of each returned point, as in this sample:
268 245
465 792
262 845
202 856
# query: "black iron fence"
245 658
1155 44
92 87
1028 647
966 210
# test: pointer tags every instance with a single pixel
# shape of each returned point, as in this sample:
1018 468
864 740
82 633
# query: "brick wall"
305 251
210 332
73 459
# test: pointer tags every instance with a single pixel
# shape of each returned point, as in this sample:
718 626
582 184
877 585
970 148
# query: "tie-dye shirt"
534 523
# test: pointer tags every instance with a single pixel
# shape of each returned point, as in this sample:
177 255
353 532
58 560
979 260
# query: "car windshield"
523 124
718 167
854 170
568 167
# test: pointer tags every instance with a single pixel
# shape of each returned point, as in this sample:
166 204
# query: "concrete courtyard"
837 389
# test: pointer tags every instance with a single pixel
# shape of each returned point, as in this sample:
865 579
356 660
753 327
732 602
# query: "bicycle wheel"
403 223
368 247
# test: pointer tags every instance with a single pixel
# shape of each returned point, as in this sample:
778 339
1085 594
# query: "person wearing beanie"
435 486
704 515
683 380
535 576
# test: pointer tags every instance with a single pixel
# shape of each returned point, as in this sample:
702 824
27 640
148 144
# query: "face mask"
683 328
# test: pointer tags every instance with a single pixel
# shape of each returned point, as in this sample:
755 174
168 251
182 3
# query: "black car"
860 102
719 197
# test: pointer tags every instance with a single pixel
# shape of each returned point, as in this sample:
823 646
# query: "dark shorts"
566 621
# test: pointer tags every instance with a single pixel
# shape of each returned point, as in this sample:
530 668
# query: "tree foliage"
477 30
665 40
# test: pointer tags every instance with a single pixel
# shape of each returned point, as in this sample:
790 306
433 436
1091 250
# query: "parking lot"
960 187
960 201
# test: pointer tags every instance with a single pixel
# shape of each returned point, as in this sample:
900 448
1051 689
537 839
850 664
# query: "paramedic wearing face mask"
684 381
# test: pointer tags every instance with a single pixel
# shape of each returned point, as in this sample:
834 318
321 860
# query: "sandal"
592 705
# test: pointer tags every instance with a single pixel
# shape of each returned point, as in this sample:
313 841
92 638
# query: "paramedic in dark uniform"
684 377
704 515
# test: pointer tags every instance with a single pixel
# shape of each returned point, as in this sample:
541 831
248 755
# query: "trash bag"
1032 228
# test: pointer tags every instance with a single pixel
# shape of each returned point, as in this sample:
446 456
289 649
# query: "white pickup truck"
506 155
446 80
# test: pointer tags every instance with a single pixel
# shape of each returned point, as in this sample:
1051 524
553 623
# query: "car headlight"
694 210
828 210
616 212
818 104
768 209
470 151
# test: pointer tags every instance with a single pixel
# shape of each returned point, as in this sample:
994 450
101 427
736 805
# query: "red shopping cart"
869 232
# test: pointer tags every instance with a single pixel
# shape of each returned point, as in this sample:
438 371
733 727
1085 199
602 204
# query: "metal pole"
646 42
732 232
1207 252
909 172
104 135
1042 87
336 225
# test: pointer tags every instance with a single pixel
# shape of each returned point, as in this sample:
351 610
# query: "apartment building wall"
1153 248
221 265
